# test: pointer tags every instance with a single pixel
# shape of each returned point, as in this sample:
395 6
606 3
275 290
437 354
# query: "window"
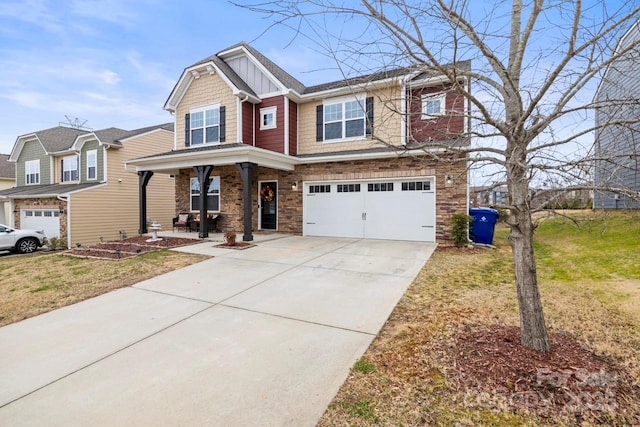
268 118
32 171
92 164
344 119
348 188
381 186
319 189
205 125
70 168
416 186
213 194
432 105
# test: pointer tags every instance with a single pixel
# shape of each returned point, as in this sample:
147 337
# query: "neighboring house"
277 155
7 180
486 196
617 147
73 183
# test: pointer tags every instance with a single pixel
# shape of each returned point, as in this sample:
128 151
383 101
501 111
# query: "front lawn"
37 283
449 354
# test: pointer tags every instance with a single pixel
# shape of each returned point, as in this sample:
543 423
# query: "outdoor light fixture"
294 185
448 180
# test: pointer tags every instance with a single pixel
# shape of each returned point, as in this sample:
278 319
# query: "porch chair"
183 220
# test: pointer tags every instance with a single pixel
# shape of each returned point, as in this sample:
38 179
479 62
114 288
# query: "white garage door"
390 209
41 219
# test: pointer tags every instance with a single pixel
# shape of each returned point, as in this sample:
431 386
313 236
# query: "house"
485 196
7 180
617 164
72 183
343 159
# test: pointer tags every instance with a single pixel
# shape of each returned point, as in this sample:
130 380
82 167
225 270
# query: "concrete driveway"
258 337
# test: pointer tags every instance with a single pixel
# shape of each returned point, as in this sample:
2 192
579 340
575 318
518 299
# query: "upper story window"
92 164
213 194
268 118
433 105
344 119
205 125
70 168
32 171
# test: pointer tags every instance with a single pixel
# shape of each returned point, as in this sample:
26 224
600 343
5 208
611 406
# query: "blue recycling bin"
483 224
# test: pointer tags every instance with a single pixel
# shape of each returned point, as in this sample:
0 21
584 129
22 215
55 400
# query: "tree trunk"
533 330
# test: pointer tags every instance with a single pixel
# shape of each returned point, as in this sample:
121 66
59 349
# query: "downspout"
286 126
68 202
239 125
403 112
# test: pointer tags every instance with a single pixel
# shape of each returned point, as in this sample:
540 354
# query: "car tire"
27 245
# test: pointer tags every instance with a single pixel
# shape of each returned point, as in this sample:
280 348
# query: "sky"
115 62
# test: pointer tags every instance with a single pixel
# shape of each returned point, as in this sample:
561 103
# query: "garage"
41 219
393 209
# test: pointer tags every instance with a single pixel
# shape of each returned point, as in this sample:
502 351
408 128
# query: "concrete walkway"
257 337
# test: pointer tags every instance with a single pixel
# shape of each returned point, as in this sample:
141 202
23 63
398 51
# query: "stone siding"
50 203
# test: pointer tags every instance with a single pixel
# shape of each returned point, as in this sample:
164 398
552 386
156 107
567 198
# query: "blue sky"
114 62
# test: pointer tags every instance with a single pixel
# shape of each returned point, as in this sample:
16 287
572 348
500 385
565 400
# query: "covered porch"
218 179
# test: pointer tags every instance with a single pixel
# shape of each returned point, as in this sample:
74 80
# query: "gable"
257 80
32 150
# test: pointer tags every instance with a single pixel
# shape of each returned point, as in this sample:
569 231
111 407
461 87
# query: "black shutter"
187 130
223 124
369 106
61 170
319 123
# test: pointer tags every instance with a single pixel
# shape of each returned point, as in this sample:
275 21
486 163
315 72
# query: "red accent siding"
271 139
247 123
293 128
448 126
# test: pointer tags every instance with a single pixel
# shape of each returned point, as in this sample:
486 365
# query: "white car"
22 241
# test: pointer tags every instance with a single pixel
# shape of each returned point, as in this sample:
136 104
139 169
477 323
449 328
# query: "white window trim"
27 165
442 97
77 169
204 126
268 110
197 208
95 156
362 100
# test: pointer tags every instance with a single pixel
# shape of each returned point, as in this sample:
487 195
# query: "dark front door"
268 205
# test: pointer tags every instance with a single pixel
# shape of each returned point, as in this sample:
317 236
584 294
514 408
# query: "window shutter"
223 124
319 123
369 107
61 170
187 130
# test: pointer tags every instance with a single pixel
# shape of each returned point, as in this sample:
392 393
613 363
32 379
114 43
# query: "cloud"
119 12
33 12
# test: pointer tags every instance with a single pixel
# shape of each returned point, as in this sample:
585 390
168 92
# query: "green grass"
363 366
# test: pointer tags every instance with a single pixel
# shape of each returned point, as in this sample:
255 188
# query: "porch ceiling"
172 162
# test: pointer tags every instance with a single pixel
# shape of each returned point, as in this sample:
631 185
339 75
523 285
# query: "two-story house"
345 158
617 139
73 183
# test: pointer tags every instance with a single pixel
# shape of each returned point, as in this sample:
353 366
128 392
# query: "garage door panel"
47 220
381 210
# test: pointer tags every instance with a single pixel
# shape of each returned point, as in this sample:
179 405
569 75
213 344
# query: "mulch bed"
238 246
571 380
127 248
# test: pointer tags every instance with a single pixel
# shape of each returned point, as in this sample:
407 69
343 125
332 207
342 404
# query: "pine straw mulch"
130 247
490 364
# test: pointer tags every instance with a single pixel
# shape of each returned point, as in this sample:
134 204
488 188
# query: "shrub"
54 243
459 229
503 214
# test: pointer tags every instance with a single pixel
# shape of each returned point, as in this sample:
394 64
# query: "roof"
7 170
60 138
51 190
292 83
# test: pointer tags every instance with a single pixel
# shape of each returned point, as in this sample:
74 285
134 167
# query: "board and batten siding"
621 82
104 211
33 150
251 74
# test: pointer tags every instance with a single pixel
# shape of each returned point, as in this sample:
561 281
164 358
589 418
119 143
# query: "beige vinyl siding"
387 125
33 150
88 146
207 90
103 211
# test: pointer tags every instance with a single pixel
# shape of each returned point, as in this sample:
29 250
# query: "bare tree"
535 68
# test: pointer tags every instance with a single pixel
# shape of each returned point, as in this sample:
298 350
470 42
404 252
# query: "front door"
268 205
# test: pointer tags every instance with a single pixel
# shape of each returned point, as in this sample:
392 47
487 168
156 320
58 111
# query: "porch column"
247 171
203 173
143 180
